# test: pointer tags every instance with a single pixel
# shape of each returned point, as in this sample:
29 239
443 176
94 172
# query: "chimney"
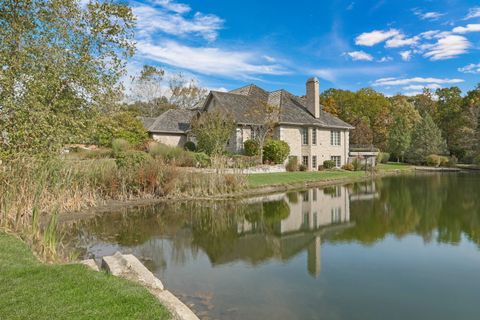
313 97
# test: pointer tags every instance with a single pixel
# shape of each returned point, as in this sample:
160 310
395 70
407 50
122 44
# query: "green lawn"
32 290
282 178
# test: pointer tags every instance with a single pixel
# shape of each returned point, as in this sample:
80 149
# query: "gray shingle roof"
171 121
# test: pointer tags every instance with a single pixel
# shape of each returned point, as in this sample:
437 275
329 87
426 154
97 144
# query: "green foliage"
120 145
348 167
213 130
426 140
67 59
433 160
329 164
383 157
202 159
292 164
172 155
120 125
190 146
357 164
302 167
131 159
252 148
276 151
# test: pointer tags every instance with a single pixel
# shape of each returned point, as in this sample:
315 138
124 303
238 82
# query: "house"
312 134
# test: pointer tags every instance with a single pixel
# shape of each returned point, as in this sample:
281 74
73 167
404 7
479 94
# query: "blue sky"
394 46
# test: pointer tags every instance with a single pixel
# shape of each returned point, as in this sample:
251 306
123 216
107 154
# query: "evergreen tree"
426 139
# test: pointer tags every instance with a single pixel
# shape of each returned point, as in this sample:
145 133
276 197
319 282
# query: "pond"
404 247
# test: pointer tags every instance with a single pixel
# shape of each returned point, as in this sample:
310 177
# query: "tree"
118 125
60 62
212 131
361 134
405 117
186 93
426 140
265 116
425 103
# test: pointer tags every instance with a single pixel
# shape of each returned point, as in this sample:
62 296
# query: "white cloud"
409 81
467 29
385 59
359 55
151 20
208 60
401 41
269 58
471 68
447 47
173 6
420 87
406 55
432 15
429 34
473 13
333 74
372 38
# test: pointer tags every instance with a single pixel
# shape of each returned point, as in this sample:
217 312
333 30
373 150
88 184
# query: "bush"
292 164
131 159
348 167
357 164
476 160
241 161
172 155
275 151
98 154
121 125
444 161
120 145
329 164
452 162
190 146
302 167
433 160
202 159
383 157
251 147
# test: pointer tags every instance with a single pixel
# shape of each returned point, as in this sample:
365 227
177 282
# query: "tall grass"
34 192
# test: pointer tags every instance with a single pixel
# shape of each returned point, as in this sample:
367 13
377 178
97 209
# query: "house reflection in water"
308 216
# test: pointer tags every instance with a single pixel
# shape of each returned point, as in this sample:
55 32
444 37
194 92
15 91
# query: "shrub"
476 160
202 159
329 164
357 164
275 151
251 147
348 167
120 145
433 160
444 161
292 164
98 154
383 157
302 167
131 159
452 162
190 146
241 161
124 125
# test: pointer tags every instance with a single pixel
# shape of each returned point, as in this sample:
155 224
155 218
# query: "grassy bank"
286 178
32 290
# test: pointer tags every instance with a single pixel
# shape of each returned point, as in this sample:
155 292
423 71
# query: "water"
395 248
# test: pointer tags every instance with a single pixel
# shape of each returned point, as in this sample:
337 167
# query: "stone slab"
91 264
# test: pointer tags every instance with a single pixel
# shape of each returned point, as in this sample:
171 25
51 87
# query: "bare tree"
265 117
186 93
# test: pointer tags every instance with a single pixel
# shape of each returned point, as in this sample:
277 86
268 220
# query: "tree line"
441 122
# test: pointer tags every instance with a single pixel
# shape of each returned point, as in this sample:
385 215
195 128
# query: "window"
314 136
305 136
335 138
253 135
305 161
305 196
336 215
314 162
337 160
314 195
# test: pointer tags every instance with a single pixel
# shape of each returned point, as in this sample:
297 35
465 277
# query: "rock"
91 264
129 267
175 306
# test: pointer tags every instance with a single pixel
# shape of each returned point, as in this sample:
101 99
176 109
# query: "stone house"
312 134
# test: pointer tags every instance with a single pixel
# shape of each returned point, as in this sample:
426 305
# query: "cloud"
432 15
374 37
359 55
406 55
209 60
447 47
401 41
333 74
151 20
471 68
419 87
473 13
408 81
467 29
385 59
173 6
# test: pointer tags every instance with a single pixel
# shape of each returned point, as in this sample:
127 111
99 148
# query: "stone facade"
170 139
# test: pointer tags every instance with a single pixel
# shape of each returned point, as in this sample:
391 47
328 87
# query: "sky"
393 46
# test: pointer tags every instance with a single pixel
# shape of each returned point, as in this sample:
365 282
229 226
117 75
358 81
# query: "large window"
336 215
335 138
305 161
305 136
314 136
314 162
337 160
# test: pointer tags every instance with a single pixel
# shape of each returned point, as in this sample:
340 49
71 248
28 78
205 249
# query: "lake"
403 247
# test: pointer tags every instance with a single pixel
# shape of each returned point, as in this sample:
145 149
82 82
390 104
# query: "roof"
171 121
243 104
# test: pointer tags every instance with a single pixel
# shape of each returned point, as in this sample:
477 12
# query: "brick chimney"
313 97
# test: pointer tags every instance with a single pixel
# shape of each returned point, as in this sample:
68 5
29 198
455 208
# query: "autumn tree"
60 62
213 130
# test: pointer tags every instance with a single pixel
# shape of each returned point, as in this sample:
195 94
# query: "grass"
284 178
32 290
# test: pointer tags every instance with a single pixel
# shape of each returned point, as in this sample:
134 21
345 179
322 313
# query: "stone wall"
170 139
